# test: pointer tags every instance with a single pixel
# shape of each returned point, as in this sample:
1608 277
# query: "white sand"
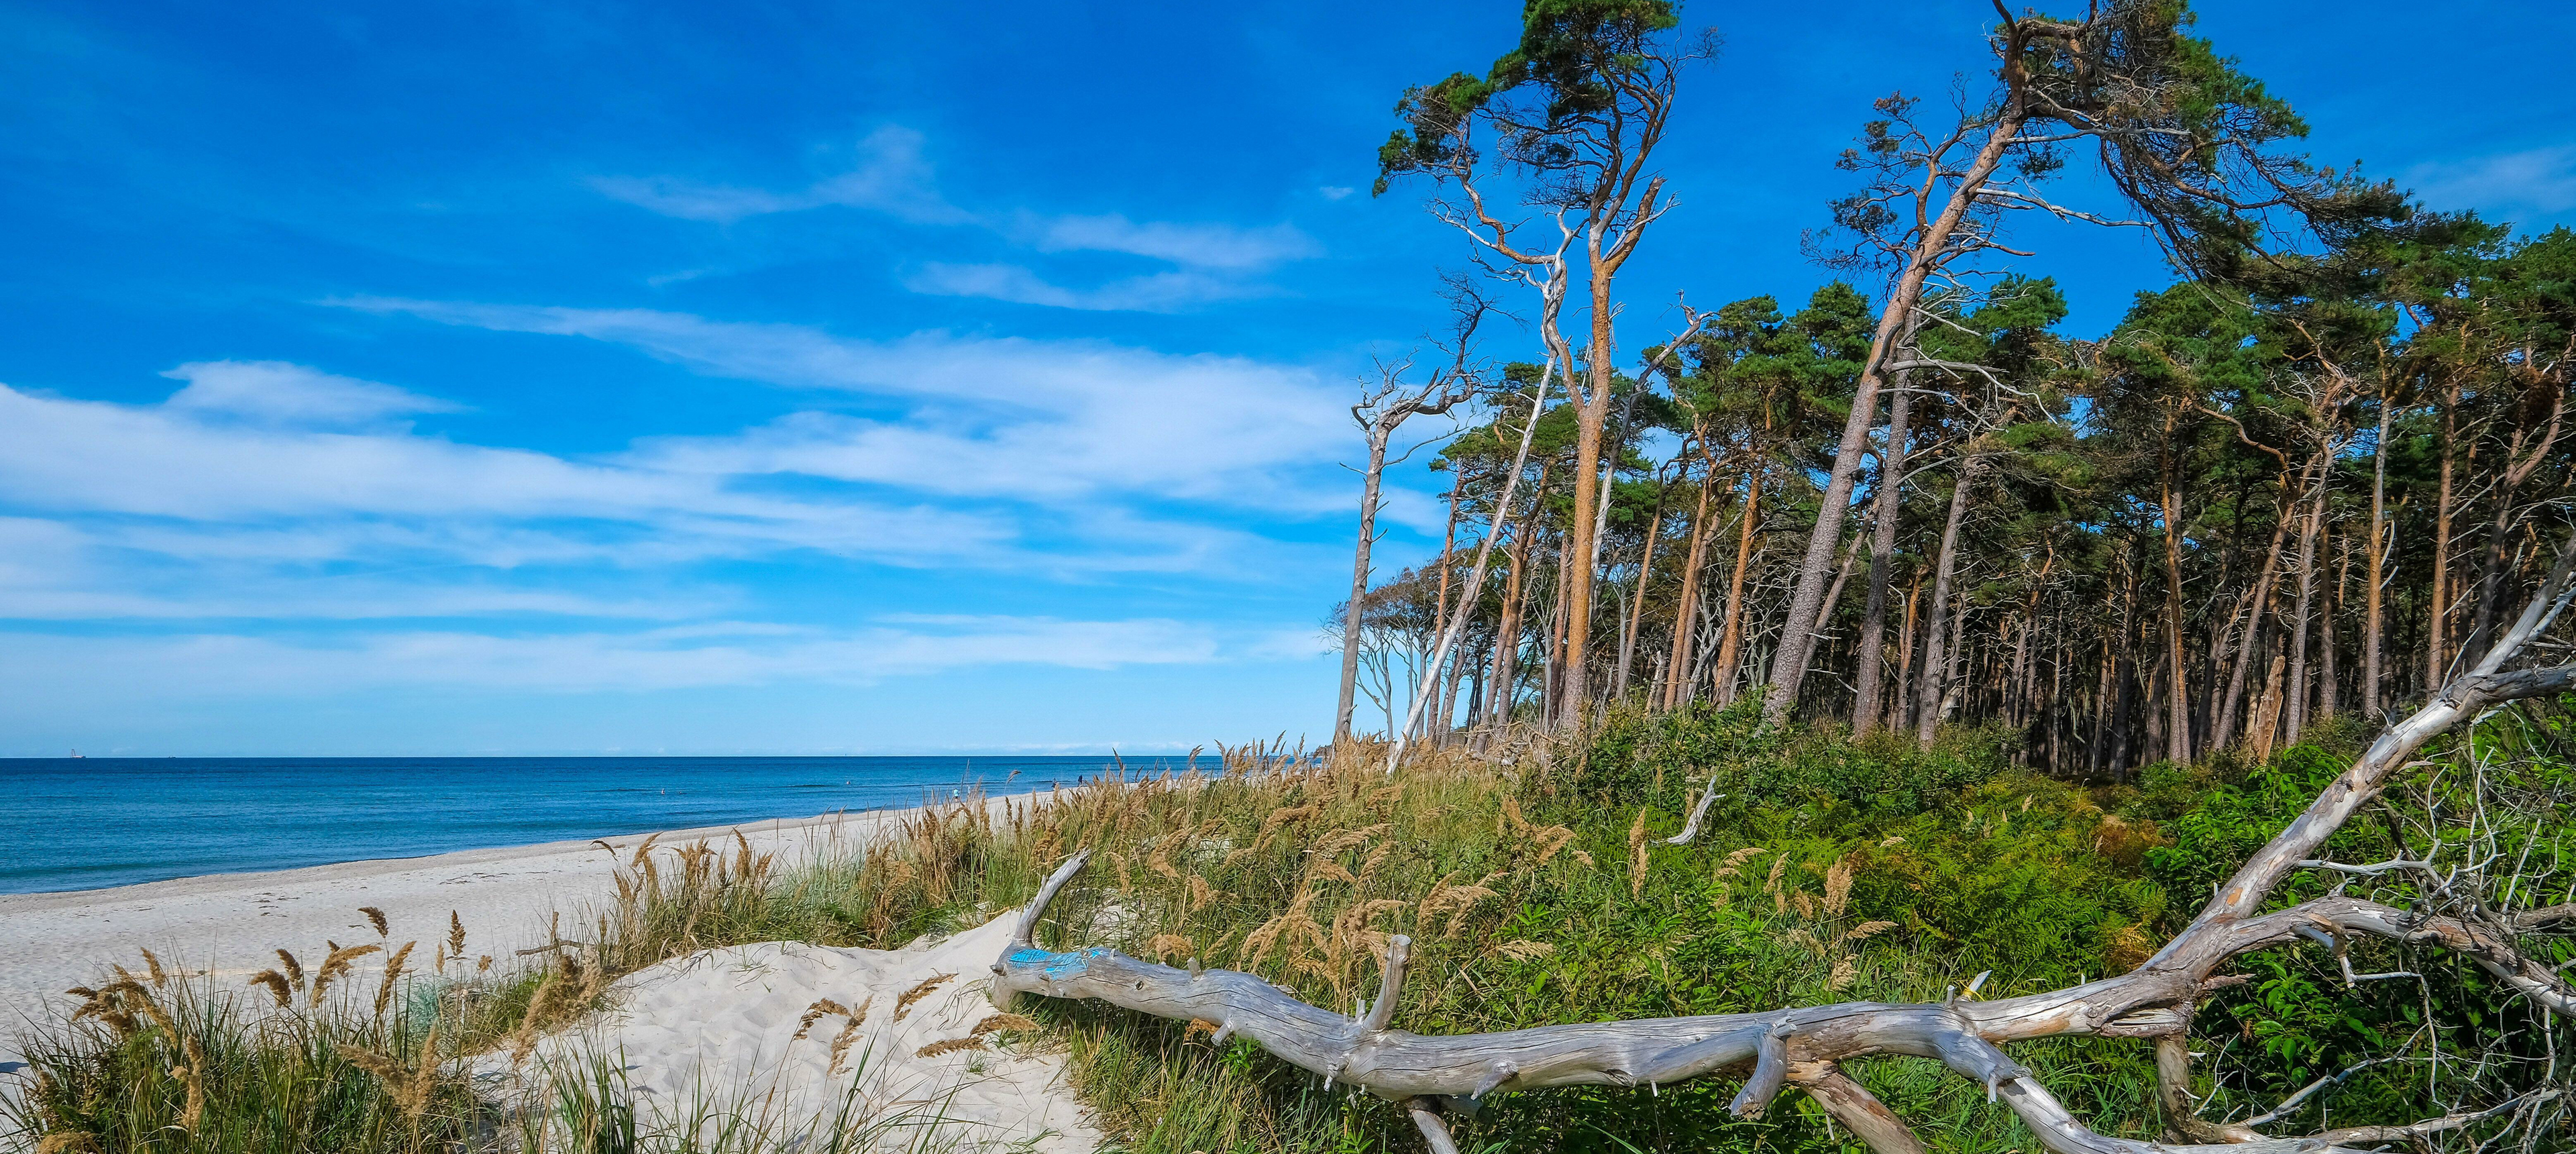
712 1036
228 924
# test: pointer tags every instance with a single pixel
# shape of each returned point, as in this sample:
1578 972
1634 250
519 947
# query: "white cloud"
679 657
1199 245
1215 261
993 417
180 510
1336 191
890 176
2540 179
281 393
1155 293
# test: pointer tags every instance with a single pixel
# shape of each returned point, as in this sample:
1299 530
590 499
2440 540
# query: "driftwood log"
1802 1047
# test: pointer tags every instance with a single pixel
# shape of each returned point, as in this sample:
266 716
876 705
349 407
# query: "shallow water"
85 823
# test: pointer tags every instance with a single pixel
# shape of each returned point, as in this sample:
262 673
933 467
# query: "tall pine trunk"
1677 682
1359 591
1927 701
2296 705
2436 625
1730 642
2376 575
2178 724
1873 625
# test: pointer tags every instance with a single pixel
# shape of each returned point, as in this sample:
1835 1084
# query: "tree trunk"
1637 609
1730 642
1507 635
2296 704
1677 685
1789 667
2260 597
1448 550
1378 438
2377 573
2178 725
2329 676
1873 624
1928 699
2434 629
1574 582
1901 711
1559 621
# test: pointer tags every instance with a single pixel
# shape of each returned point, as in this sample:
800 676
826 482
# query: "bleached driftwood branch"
1802 1046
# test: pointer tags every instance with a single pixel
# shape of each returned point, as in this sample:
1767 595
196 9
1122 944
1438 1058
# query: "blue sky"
580 378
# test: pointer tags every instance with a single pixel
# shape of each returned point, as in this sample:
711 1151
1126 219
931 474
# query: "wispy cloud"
678 657
1215 261
2540 179
1220 246
991 417
281 393
891 176
1156 293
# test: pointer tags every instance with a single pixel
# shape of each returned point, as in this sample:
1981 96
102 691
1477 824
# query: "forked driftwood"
1802 1046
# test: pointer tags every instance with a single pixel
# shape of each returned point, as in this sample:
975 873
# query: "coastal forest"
2303 483
1879 717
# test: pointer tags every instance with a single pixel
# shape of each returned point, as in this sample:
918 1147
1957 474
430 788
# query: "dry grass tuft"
992 1023
814 1013
950 1046
376 918
393 973
340 961
903 1004
849 1033
277 987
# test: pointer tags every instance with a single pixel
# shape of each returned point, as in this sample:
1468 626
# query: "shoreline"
181 886
223 928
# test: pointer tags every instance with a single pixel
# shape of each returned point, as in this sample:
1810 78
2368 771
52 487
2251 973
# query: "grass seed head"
995 1022
814 1013
903 1004
950 1046
393 973
277 987
849 1033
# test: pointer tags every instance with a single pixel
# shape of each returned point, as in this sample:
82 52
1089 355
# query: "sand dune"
713 1036
227 924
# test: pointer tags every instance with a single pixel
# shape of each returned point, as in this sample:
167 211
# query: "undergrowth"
1539 891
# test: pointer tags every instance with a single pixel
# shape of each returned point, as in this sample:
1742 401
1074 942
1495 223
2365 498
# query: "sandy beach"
229 924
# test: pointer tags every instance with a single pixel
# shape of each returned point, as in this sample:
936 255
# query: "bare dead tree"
1379 413
1806 1048
1457 623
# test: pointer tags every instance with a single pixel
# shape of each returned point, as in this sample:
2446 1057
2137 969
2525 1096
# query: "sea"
88 823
